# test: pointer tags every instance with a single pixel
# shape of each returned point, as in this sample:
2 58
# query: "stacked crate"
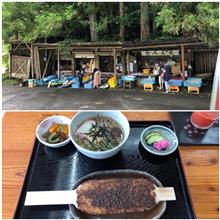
128 81
193 85
175 84
148 83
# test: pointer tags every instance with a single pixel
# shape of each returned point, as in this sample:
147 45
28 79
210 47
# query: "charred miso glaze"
116 195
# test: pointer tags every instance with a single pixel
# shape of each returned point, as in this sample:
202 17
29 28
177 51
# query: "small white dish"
80 117
168 133
43 127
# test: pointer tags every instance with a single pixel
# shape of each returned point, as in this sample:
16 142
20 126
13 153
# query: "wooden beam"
58 62
17 46
28 46
32 62
161 46
128 62
47 63
37 62
124 67
73 63
97 58
182 62
9 63
115 59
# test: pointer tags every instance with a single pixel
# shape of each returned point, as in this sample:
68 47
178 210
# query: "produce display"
157 140
99 134
57 133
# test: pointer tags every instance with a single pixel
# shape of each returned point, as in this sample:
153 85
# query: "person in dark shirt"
167 77
80 75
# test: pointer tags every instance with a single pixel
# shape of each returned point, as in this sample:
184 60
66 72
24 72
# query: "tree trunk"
145 21
122 26
93 32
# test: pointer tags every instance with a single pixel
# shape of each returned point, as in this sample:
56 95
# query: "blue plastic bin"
75 82
39 82
88 85
175 82
129 78
148 81
193 81
49 78
119 81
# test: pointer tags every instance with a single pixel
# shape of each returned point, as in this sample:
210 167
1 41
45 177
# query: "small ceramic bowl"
43 127
169 135
80 117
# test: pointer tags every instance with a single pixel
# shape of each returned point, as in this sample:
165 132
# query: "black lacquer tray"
59 169
209 137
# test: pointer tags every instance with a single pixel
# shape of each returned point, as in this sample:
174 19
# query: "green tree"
145 21
199 21
29 21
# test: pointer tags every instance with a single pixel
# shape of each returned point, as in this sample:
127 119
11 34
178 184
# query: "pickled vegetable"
57 133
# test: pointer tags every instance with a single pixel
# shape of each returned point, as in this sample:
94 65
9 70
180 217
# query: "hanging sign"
160 53
85 55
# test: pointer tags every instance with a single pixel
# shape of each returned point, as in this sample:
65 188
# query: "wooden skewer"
70 197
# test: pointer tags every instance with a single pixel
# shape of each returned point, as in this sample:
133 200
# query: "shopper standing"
161 75
167 77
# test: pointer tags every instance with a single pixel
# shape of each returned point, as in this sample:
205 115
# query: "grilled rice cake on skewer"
107 196
119 195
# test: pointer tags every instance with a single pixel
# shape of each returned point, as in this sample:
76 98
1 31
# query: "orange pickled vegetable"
65 129
53 128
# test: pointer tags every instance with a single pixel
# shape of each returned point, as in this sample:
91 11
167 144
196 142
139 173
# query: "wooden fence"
20 67
205 62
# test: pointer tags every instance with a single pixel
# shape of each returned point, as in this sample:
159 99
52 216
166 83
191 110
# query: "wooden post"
73 60
37 62
96 59
124 67
128 62
9 64
115 60
32 62
58 62
183 62
47 63
53 61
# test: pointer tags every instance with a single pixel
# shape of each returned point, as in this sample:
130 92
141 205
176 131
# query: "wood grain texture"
200 163
201 167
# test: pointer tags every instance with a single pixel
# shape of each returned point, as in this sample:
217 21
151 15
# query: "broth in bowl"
99 133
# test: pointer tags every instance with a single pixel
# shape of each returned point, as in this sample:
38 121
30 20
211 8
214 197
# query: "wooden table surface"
201 164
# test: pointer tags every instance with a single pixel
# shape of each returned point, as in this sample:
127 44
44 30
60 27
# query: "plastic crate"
119 81
49 78
88 85
147 81
39 82
175 82
193 82
112 82
129 78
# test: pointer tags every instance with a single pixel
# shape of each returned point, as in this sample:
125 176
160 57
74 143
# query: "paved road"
41 98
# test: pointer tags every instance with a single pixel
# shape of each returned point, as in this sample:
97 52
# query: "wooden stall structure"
197 54
41 59
51 58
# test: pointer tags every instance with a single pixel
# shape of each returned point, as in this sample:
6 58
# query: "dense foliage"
197 20
28 21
